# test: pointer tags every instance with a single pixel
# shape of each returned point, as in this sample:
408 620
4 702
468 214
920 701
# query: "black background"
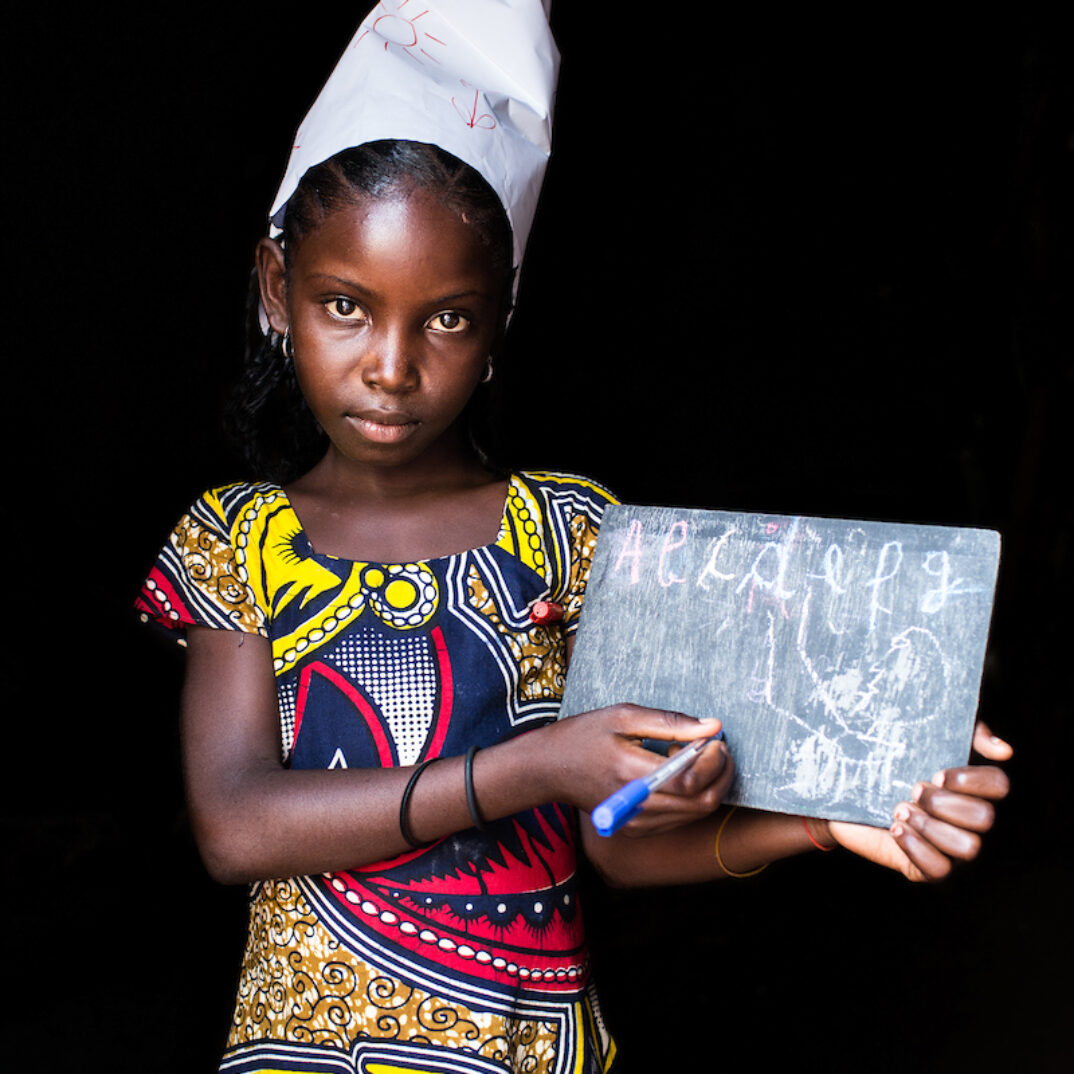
799 265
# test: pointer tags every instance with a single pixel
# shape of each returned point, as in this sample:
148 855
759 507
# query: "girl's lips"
383 428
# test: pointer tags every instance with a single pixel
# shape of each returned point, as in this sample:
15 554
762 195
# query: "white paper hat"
475 77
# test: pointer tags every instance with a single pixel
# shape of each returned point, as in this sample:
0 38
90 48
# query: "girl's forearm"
255 820
748 841
751 839
266 821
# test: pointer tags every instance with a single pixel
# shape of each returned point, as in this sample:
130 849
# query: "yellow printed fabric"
468 955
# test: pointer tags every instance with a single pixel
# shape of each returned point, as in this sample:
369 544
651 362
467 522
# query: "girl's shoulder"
200 576
227 507
567 487
552 520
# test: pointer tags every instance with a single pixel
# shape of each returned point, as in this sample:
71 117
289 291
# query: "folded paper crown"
475 77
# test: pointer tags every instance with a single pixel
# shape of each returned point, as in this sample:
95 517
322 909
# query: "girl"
369 731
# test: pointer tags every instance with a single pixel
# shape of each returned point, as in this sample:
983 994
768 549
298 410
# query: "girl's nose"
388 364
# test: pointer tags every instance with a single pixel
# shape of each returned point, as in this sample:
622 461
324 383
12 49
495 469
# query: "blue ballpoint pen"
626 802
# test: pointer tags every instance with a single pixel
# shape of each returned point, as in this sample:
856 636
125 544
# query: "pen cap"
619 807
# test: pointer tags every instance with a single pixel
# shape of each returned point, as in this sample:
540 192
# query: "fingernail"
897 830
919 790
938 779
902 811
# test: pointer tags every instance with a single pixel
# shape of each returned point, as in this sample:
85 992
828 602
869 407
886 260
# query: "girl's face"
393 310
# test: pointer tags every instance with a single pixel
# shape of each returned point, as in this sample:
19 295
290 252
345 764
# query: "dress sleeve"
196 580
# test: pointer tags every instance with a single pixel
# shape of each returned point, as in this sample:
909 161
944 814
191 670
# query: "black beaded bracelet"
471 798
404 824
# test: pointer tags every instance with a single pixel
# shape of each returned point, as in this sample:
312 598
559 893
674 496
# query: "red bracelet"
812 838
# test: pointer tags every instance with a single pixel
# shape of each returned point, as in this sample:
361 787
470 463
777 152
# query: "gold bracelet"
719 860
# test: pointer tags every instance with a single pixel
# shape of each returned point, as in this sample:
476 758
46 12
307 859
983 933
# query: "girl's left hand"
942 824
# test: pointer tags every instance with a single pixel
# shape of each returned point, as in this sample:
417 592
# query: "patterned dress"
468 955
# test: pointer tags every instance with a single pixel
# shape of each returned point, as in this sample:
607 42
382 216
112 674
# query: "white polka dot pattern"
400 675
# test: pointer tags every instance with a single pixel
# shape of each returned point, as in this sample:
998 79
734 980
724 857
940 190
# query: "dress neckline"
300 532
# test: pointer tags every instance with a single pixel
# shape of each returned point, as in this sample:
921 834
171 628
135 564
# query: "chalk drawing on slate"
844 657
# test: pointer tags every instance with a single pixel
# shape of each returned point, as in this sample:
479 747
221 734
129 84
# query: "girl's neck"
337 477
425 510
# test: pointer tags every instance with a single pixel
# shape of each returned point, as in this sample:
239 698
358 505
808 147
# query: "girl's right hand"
591 756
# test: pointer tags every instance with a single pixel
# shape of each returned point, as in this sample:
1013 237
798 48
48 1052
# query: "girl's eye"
345 309
449 321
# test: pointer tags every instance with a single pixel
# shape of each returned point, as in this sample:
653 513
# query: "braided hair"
267 418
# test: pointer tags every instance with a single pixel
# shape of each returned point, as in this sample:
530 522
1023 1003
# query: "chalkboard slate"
844 657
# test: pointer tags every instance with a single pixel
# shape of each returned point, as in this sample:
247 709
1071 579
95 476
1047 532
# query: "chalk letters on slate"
844 657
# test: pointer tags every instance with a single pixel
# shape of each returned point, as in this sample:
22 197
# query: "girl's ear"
272 279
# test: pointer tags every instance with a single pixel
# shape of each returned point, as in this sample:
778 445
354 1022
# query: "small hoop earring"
488 371
286 346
